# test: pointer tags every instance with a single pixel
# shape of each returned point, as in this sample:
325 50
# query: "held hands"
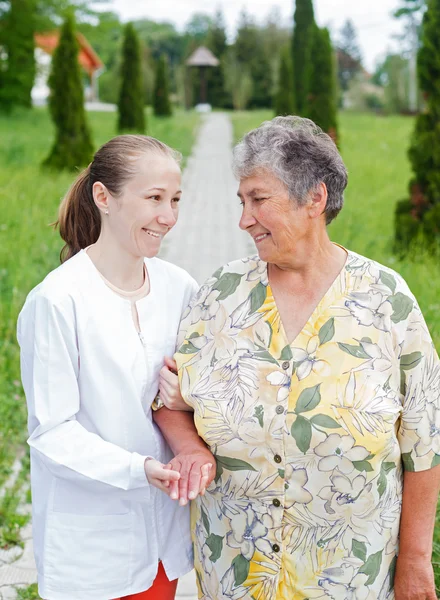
169 387
196 466
186 476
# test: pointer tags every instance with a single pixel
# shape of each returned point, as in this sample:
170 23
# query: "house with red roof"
45 44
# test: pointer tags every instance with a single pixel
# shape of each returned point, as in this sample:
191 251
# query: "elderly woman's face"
273 220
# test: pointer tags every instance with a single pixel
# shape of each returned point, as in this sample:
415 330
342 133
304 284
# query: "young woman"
93 338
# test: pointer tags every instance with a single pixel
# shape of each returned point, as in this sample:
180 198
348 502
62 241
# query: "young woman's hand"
161 476
197 469
169 390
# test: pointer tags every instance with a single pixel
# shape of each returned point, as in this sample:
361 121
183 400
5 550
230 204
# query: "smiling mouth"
259 238
153 233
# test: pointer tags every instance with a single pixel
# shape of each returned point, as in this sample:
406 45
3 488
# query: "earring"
106 212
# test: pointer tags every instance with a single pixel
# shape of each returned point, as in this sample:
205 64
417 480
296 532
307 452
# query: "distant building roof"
87 57
202 57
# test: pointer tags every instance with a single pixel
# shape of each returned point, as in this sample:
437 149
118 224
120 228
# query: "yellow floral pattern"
311 438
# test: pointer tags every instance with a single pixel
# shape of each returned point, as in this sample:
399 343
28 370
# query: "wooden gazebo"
203 59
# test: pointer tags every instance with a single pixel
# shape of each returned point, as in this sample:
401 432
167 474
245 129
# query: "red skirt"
162 588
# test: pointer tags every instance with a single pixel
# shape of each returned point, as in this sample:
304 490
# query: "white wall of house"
40 91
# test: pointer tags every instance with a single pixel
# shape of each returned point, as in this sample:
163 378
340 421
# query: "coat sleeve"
49 368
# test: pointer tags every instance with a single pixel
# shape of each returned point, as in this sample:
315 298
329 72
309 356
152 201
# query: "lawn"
374 150
29 248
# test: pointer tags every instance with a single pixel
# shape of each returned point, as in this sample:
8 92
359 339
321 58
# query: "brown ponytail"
79 219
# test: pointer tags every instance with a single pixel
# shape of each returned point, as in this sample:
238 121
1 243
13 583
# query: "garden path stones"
207 234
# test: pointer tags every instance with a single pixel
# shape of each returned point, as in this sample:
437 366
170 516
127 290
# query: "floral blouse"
311 438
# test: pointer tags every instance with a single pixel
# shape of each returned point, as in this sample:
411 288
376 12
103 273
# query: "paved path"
206 236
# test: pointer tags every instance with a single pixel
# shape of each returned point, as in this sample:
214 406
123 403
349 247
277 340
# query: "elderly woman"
314 381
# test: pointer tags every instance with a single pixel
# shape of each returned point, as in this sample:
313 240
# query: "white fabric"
99 528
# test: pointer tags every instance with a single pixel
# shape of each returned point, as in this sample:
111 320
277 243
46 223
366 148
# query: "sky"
372 18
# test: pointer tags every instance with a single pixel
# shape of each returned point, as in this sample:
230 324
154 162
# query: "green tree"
284 101
216 41
131 95
250 54
197 28
73 146
349 55
420 215
321 105
302 40
18 40
161 98
411 13
238 82
393 75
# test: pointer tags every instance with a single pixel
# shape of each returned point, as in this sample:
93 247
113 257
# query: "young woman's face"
147 208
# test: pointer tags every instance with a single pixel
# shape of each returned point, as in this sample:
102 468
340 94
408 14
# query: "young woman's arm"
192 457
50 369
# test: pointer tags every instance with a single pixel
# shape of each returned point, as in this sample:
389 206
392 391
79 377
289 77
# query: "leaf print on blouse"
369 411
339 452
306 361
375 358
219 339
261 441
209 583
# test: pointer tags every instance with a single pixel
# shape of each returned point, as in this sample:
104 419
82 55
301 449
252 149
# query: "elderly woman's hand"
169 389
414 579
197 468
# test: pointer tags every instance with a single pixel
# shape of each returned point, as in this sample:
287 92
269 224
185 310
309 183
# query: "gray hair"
300 154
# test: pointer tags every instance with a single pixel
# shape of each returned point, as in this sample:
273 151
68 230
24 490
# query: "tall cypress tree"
73 146
250 53
420 215
161 97
217 43
302 40
321 103
131 95
284 101
18 80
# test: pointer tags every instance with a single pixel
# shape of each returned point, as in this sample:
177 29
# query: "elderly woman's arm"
192 456
414 578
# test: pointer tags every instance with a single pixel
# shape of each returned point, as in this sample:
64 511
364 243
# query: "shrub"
73 146
131 96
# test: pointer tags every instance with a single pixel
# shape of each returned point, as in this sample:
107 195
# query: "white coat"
89 378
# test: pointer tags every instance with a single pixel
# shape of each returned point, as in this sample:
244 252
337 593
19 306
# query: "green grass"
28 593
375 152
29 248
